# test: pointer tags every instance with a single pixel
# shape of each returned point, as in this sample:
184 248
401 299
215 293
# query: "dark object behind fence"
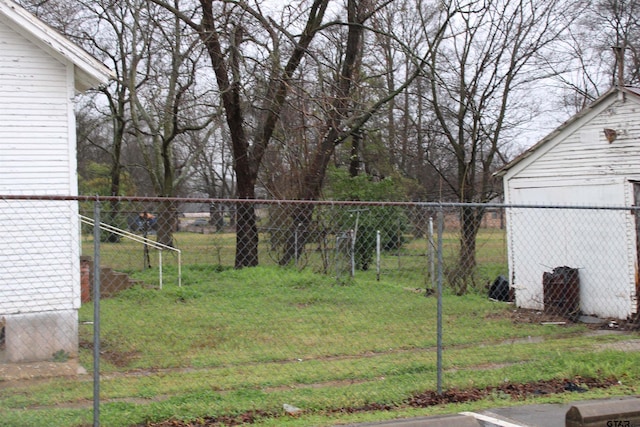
500 290
561 290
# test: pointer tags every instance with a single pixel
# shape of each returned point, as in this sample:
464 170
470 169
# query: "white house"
593 159
40 74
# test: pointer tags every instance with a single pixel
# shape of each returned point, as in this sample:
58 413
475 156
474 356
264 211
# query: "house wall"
579 167
39 256
35 118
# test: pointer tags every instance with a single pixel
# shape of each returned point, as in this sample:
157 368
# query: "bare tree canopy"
254 98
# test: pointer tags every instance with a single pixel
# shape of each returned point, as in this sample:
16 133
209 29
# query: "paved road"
544 415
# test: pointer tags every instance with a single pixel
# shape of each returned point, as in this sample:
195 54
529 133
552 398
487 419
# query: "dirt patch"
629 345
118 359
523 315
13 372
516 391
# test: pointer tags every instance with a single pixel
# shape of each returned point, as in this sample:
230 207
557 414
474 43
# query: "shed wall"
579 167
596 242
582 151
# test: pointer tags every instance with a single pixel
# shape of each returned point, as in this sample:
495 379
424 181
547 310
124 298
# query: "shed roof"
89 71
607 96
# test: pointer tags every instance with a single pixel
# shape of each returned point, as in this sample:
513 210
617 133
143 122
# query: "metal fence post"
96 314
378 255
295 246
431 250
439 322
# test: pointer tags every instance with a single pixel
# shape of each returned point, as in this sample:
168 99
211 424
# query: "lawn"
239 344
231 342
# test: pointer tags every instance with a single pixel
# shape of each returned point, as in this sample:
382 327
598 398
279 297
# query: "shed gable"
582 151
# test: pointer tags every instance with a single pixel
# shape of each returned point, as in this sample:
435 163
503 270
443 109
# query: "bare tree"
614 25
233 31
155 100
603 52
103 28
481 72
347 109
165 105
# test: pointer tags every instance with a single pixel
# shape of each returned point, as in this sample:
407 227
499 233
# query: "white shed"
40 74
593 159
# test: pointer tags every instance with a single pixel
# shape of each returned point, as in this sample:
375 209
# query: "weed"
60 356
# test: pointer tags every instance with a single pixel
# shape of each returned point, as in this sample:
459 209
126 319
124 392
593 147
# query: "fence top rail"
432 205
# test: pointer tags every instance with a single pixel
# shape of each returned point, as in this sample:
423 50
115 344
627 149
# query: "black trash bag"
500 290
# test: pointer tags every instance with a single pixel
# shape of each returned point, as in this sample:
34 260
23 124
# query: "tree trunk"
114 211
116 167
246 235
246 221
338 113
298 234
312 186
464 274
167 221
354 158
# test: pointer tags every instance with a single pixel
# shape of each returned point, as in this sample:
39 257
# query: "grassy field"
232 342
410 263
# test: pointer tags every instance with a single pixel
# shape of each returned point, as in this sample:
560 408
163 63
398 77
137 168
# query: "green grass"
230 341
410 262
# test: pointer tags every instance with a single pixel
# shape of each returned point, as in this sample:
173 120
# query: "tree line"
249 99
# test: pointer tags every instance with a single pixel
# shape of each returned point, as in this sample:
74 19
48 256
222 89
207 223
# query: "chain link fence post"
431 254
96 313
439 292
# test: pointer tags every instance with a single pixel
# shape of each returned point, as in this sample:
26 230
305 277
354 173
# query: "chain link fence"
360 296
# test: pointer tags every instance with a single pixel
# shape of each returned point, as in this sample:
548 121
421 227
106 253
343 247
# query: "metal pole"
337 254
432 267
96 314
353 246
160 266
398 244
378 255
295 238
440 264
179 269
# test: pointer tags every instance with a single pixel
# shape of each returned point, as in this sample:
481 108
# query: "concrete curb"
609 412
623 412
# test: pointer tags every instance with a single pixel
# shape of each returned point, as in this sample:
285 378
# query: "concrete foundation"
42 336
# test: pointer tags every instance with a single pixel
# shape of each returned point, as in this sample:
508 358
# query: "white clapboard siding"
583 153
40 73
34 119
39 267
